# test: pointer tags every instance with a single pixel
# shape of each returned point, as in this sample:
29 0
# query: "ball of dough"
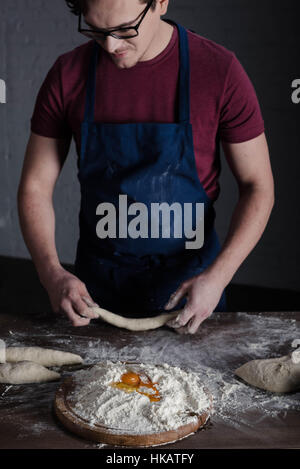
26 372
274 374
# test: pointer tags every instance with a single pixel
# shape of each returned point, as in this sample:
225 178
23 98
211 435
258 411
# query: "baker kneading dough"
42 356
134 324
274 374
26 372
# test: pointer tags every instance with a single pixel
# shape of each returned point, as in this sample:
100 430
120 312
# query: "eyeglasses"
119 33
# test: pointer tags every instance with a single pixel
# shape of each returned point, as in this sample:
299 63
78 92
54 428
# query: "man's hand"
68 295
43 163
203 295
250 164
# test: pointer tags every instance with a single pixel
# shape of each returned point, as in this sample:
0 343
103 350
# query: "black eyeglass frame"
110 33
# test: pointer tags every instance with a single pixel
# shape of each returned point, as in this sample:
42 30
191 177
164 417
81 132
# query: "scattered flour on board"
182 398
213 353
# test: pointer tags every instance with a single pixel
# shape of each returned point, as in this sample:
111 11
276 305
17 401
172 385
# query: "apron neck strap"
184 79
89 114
184 76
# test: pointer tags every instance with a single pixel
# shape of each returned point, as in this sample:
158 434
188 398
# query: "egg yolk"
131 378
131 382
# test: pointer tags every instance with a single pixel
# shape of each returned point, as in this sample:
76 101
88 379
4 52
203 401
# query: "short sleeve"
240 114
48 117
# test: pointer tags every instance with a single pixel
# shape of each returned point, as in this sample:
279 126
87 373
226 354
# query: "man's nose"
112 44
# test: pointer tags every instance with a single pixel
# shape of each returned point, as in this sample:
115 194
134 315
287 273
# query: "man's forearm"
247 225
37 220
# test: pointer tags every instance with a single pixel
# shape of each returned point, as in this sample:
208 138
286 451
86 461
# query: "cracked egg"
133 382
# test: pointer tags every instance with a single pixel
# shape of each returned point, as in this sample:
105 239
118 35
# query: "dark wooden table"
27 419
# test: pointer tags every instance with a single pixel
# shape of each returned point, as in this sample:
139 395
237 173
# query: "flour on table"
213 353
182 398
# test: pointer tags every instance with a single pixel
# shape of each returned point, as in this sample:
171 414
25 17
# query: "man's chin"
124 63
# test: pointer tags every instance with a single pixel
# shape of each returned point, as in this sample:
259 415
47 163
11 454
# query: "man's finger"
81 308
182 319
91 304
191 327
194 324
89 301
182 330
76 320
173 323
177 296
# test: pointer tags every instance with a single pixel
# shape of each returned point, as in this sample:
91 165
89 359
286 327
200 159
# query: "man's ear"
163 5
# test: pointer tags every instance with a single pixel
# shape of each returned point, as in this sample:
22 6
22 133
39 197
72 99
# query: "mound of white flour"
182 398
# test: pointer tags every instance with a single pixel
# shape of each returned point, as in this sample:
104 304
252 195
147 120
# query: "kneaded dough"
42 356
26 372
296 356
273 374
2 352
135 324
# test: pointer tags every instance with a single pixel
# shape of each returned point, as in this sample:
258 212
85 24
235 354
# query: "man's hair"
80 6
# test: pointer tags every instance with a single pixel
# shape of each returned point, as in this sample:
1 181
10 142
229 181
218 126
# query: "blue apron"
149 163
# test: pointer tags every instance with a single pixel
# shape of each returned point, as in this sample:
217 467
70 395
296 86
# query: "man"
147 102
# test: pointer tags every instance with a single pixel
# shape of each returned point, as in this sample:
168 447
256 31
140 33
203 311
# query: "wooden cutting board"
116 437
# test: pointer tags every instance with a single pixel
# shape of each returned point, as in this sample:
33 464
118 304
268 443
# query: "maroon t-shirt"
224 105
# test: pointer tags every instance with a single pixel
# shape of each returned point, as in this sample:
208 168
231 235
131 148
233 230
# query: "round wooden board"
110 436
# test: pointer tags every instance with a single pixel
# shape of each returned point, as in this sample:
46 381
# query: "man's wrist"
220 272
48 270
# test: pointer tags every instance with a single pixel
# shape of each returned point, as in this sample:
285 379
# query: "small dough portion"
26 372
296 356
2 352
42 356
296 343
135 324
274 374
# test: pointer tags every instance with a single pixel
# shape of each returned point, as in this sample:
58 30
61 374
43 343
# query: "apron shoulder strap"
184 77
89 113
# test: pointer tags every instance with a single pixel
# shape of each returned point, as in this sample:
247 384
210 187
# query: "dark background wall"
266 39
